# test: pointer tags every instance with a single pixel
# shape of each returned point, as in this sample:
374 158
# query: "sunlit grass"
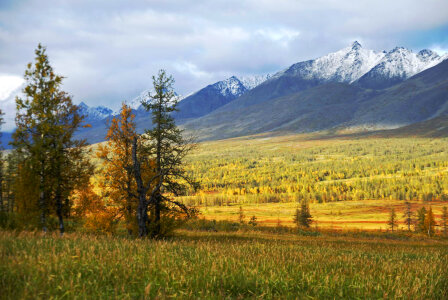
220 265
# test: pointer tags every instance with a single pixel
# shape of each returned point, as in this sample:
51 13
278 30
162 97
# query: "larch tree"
303 216
392 219
117 173
408 215
444 223
46 121
430 222
420 222
165 147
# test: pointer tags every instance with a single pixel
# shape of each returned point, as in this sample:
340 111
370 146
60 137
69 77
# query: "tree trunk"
59 211
157 210
142 214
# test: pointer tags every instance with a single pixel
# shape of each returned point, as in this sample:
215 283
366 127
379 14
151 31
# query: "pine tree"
392 219
46 121
429 222
408 215
165 146
445 221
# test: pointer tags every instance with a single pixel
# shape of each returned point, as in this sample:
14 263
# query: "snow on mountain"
345 65
136 103
95 113
403 63
252 81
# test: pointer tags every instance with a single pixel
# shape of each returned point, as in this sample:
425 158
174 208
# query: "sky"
108 50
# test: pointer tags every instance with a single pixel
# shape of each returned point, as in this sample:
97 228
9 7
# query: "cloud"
108 50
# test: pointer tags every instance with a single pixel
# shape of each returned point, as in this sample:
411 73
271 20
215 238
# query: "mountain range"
353 89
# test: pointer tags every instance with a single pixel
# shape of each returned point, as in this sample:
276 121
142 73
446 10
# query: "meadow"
349 182
243 264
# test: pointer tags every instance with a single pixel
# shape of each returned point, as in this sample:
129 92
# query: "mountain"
398 65
333 106
345 65
216 95
94 113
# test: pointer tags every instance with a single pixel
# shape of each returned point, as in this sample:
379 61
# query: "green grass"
220 265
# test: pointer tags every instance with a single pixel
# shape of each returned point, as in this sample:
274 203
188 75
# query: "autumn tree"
444 223
164 145
420 222
46 121
392 219
408 215
429 222
117 177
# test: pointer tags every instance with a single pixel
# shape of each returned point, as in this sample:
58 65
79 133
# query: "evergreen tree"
303 215
408 215
253 221
392 219
421 215
165 147
429 222
46 121
445 221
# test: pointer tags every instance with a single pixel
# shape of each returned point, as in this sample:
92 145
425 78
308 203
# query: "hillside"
331 106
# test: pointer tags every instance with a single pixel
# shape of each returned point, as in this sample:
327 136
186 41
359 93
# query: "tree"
302 216
408 215
2 165
429 222
163 147
445 220
421 216
241 215
46 120
253 221
117 177
392 219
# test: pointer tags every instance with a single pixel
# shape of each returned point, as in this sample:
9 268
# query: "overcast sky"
108 50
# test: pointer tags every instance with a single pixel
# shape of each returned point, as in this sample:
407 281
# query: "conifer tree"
117 177
241 215
421 216
164 145
303 216
392 219
429 222
445 221
46 121
408 215
2 165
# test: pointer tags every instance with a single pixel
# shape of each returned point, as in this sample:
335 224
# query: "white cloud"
108 50
9 84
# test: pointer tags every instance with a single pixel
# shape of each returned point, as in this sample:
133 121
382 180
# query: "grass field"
220 265
362 215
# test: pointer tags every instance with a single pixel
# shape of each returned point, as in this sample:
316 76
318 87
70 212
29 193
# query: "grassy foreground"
220 265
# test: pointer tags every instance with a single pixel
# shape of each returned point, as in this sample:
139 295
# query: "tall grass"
219 265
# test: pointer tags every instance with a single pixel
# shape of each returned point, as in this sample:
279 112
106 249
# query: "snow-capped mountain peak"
345 65
251 81
94 113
